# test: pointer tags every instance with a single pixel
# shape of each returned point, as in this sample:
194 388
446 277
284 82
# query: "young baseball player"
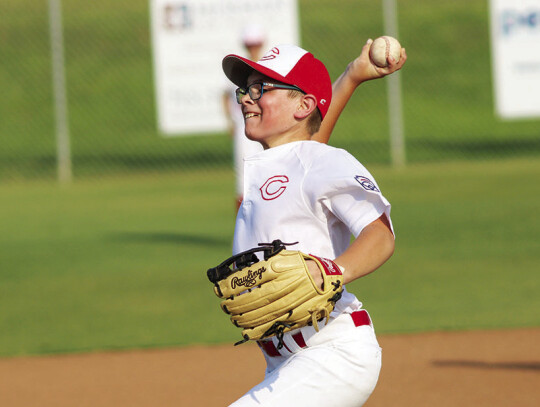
301 190
253 39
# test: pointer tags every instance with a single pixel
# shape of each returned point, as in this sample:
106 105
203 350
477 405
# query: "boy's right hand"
363 69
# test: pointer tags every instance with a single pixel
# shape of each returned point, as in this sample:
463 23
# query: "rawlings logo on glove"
249 280
277 294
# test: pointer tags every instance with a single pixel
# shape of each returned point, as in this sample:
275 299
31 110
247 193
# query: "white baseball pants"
339 367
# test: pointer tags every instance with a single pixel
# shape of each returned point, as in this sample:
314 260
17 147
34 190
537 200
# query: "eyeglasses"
256 90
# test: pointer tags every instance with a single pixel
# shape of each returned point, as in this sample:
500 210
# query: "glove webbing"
245 259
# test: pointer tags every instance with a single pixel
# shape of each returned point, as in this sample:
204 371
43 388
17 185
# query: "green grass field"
118 259
121 262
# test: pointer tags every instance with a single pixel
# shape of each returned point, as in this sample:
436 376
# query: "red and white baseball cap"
288 64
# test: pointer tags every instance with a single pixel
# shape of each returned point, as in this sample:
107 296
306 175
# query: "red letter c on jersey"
274 187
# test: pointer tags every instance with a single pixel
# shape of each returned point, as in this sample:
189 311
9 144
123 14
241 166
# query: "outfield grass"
120 262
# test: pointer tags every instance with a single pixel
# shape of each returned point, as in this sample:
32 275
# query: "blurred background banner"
108 53
189 40
515 37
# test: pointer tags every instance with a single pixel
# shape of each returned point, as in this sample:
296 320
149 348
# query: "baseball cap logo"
272 54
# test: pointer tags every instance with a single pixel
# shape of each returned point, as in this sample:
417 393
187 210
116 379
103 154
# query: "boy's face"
269 119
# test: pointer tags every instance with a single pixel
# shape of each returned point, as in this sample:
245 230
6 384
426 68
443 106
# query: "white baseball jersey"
310 193
316 195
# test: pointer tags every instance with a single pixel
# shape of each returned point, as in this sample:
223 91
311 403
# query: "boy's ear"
308 103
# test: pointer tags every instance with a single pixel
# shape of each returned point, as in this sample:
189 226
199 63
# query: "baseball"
382 48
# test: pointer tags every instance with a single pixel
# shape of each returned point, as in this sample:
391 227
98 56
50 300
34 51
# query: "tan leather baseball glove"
276 294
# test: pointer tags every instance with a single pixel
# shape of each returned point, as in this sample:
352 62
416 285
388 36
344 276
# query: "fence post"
395 114
63 149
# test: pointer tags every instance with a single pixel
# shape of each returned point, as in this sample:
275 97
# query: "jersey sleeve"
337 183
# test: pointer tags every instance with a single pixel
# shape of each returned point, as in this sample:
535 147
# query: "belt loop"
269 348
299 339
361 318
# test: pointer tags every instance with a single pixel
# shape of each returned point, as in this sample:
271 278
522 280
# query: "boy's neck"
297 135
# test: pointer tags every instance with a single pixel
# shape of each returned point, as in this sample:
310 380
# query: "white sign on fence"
515 44
189 40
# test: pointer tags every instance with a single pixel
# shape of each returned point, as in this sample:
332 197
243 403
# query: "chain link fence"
446 88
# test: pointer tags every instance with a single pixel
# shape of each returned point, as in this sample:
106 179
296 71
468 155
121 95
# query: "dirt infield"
481 368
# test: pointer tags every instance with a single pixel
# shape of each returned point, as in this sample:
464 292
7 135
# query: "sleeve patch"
366 183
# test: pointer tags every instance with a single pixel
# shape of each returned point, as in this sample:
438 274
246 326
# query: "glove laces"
278 329
319 314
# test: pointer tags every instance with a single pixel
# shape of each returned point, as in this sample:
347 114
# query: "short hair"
314 120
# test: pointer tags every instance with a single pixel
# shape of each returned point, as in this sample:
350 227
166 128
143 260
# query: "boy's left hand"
315 272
